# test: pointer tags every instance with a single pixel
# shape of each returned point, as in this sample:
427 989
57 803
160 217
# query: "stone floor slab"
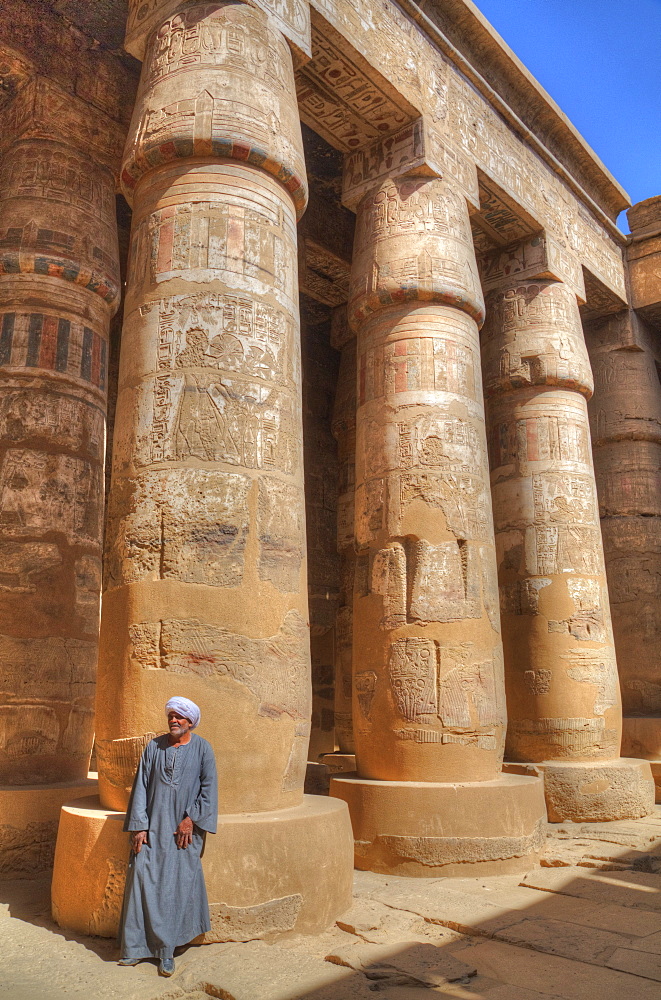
637 962
635 889
553 976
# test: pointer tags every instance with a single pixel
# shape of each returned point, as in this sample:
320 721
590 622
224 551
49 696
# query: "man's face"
178 725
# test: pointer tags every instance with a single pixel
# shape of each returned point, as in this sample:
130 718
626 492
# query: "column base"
427 829
267 874
28 827
593 791
641 737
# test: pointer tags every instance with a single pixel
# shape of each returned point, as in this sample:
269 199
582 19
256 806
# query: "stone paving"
586 925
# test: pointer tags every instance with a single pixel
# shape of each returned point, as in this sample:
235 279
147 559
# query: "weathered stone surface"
635 889
420 961
554 976
59 286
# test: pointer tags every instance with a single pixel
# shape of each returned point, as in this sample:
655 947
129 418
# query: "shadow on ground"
584 926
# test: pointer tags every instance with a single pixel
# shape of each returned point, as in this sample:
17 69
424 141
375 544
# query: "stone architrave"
206 588
563 696
625 420
59 287
429 700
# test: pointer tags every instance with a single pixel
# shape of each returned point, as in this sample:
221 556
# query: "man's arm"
137 819
204 811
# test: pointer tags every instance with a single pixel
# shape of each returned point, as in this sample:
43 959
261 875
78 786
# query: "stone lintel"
43 110
415 149
15 73
536 257
644 257
291 16
341 333
602 302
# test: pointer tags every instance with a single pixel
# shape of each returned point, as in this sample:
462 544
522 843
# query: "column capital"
416 149
44 110
537 257
216 84
413 244
292 17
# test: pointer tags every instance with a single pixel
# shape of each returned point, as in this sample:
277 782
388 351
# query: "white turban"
185 707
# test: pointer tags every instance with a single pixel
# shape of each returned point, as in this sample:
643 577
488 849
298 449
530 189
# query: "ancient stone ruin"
329 397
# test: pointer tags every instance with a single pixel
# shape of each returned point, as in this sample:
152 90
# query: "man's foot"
166 966
128 961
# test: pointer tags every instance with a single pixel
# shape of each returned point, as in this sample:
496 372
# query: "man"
173 805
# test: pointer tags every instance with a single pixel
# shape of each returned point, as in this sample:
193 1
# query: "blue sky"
600 60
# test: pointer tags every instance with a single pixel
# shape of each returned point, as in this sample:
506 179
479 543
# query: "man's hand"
184 832
138 838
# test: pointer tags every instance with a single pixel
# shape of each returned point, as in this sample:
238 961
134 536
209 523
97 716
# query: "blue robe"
165 900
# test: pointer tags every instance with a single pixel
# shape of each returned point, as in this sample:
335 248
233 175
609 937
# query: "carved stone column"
429 700
206 589
59 287
344 429
625 419
562 686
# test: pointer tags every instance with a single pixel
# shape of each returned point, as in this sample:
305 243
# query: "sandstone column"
562 687
206 589
59 287
429 700
343 425
625 419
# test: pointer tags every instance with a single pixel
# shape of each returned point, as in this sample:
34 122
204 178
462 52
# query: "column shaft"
429 700
563 695
344 430
59 286
625 419
206 588
205 581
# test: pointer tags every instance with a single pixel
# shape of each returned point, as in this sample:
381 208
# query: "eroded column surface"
562 686
206 589
58 290
625 419
429 700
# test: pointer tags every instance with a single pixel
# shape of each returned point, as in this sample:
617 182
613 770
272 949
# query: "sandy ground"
586 925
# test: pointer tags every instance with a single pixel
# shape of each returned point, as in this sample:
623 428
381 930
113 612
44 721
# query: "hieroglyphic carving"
428 364
548 437
43 110
389 580
118 759
365 688
470 693
446 582
413 678
410 150
538 257
598 668
532 739
188 525
62 175
225 388
41 492
344 101
54 416
248 244
195 42
281 684
281 533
